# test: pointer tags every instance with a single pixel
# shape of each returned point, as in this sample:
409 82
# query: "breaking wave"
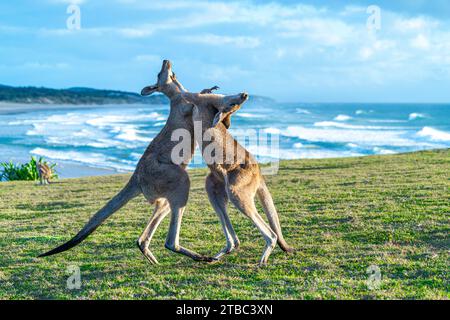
414 116
434 135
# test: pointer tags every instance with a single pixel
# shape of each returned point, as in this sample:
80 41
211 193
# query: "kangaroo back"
272 215
130 191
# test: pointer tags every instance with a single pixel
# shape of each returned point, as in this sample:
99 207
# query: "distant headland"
79 96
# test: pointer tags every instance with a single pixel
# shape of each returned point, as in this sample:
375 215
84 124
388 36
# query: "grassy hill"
41 95
343 215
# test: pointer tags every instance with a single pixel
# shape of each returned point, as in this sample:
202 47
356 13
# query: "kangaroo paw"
210 90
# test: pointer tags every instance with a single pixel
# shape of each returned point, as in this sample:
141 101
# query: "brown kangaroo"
235 174
45 173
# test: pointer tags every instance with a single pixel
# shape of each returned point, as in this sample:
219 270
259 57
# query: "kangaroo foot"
148 254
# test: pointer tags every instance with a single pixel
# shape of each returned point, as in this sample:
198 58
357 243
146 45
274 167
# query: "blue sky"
309 51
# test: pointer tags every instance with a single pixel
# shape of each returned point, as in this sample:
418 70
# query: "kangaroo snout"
167 65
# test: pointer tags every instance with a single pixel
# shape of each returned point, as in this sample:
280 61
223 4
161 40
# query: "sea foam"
434 134
89 158
347 126
414 116
342 117
249 115
360 137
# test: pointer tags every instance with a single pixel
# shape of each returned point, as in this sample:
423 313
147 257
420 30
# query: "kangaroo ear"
218 118
224 117
149 90
227 121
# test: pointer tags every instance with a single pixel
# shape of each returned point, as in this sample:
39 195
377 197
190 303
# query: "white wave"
135 155
264 151
272 130
434 134
352 145
360 137
110 119
387 121
298 145
379 150
84 133
360 112
67 119
272 153
38 129
89 141
342 117
414 116
348 126
91 129
249 115
89 158
131 134
305 153
159 124
302 111
108 143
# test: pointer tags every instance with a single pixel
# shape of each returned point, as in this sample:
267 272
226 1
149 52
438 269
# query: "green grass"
342 215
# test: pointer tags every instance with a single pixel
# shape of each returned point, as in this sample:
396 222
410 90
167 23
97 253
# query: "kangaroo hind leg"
162 208
246 204
272 215
177 199
173 237
218 198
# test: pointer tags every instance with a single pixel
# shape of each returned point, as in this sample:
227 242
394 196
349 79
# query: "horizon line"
257 95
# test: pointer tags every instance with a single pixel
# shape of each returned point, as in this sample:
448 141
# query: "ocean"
94 140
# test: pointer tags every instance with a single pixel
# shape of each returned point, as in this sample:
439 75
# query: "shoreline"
74 170
13 107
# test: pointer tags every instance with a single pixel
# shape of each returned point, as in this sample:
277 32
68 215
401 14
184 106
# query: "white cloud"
415 24
323 46
11 29
142 31
221 73
44 65
216 40
420 42
148 58
139 32
202 13
68 2
377 47
323 31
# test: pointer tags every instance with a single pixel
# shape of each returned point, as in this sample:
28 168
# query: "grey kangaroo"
235 174
162 182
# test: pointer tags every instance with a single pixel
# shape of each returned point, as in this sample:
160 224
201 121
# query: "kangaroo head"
226 107
166 83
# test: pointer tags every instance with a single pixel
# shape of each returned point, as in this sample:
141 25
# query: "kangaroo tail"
130 191
272 215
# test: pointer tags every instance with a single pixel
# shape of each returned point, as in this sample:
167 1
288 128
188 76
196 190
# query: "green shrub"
27 171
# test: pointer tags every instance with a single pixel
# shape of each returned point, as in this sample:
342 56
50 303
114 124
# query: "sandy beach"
12 108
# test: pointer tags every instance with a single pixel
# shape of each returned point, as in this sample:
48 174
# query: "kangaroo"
45 173
162 182
235 175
